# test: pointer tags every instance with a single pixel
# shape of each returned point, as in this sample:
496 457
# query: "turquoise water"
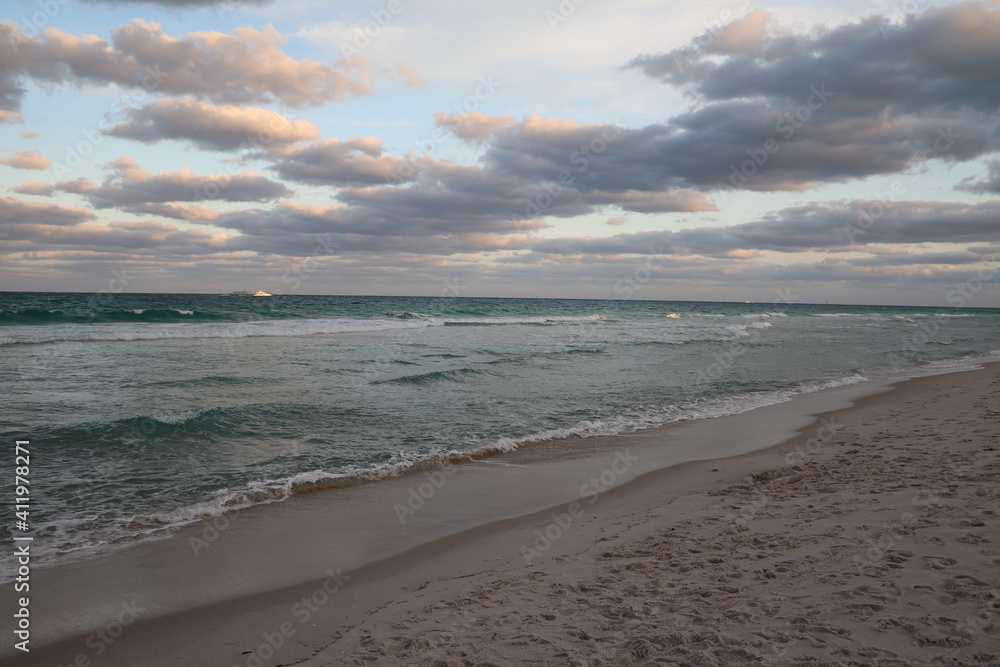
146 411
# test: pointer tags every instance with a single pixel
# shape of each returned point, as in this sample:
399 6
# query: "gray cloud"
771 111
190 213
912 259
166 239
941 57
245 67
216 128
818 226
785 111
296 244
15 211
376 217
437 191
34 188
357 161
184 4
129 188
473 127
990 183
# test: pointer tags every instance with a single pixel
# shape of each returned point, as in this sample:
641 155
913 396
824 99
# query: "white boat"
249 293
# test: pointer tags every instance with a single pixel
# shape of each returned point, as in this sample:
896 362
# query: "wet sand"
871 536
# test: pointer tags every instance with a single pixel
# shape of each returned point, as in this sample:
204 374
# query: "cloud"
128 187
596 158
745 35
299 229
356 162
418 191
34 188
903 258
245 67
190 213
217 128
297 244
183 4
831 226
674 199
132 236
788 111
465 197
474 126
770 108
940 57
409 75
15 211
27 160
380 212
990 183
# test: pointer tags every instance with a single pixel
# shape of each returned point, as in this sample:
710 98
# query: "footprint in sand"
938 563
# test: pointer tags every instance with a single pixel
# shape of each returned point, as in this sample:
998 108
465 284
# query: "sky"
842 152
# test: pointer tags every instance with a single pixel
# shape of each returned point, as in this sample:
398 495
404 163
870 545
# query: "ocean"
149 411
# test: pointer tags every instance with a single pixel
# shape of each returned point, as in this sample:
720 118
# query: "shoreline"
523 448
485 551
491 454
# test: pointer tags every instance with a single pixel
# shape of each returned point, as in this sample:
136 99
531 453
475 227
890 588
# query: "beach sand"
871 538
874 538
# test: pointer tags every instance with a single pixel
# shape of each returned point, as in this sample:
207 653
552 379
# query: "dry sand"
873 539
870 539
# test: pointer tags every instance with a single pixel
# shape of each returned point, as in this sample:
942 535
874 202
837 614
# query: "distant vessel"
248 293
